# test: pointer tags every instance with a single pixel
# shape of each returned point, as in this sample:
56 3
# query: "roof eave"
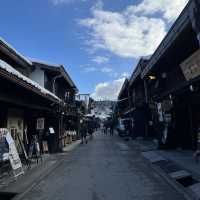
14 53
179 25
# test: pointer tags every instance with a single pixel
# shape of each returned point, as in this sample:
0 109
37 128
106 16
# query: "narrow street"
107 168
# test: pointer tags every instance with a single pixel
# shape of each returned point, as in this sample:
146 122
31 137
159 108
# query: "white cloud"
125 74
169 9
106 70
108 90
127 37
134 32
100 59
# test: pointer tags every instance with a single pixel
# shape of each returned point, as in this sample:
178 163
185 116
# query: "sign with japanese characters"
191 66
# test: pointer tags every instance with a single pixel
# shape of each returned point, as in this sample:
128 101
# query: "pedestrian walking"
111 128
90 129
102 128
106 128
83 131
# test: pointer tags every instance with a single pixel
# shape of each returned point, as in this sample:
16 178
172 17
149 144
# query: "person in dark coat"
111 128
90 129
83 131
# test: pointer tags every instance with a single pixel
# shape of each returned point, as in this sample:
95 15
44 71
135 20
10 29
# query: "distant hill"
103 109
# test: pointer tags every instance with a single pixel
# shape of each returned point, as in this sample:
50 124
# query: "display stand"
24 151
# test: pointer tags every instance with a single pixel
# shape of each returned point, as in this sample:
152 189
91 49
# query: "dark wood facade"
164 90
24 100
139 111
171 97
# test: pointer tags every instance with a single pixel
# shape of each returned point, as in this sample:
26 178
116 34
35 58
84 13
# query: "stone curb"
48 172
180 189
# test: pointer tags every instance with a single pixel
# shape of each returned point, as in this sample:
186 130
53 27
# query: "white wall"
38 76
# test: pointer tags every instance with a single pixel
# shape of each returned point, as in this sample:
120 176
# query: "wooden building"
56 79
28 107
172 79
123 100
138 107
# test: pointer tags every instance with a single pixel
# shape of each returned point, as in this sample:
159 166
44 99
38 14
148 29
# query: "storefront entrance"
182 126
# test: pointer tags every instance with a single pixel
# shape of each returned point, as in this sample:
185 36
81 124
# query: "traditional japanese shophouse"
55 79
138 107
25 106
35 99
122 106
172 80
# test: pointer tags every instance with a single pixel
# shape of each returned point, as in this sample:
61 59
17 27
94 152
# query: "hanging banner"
160 112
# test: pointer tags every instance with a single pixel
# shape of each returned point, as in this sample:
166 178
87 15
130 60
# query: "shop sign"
191 66
51 130
40 124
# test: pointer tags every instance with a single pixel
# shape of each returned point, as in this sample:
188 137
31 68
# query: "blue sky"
99 41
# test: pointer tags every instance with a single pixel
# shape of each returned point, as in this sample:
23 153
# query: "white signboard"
13 154
191 66
51 130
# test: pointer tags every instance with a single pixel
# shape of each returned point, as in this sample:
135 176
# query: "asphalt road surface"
107 168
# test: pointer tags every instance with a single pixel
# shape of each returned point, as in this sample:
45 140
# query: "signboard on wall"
51 130
191 66
40 124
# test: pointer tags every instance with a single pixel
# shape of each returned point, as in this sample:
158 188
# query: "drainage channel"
187 181
182 177
7 195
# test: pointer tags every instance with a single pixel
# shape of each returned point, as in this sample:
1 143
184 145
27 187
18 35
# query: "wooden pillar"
191 126
146 102
145 91
194 13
